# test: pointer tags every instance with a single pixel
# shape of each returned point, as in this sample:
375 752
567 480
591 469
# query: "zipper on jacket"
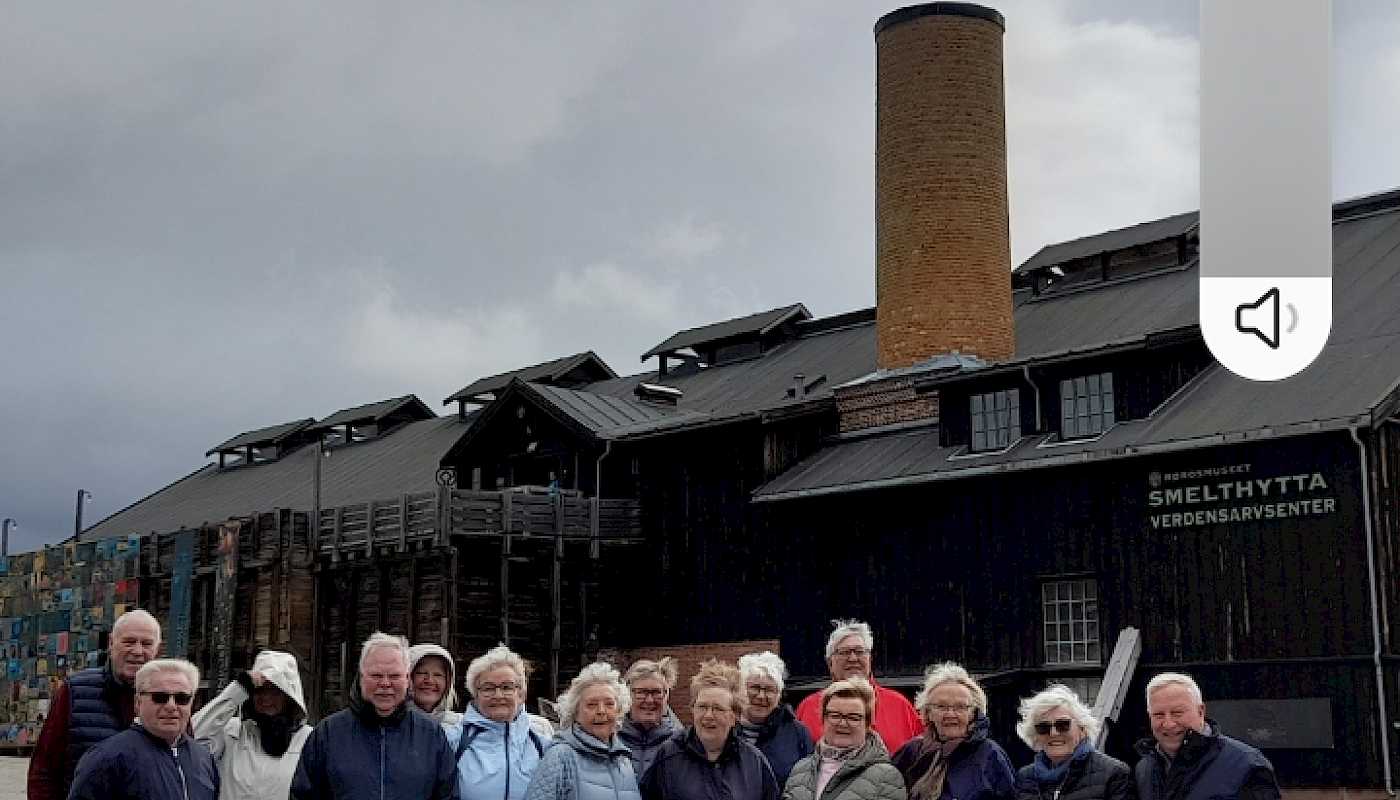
184 787
381 762
507 749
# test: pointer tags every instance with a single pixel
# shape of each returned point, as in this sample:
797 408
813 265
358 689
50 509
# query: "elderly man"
153 759
1188 756
848 655
91 706
378 747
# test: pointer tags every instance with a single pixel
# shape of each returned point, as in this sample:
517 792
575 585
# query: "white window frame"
1070 621
998 426
1086 406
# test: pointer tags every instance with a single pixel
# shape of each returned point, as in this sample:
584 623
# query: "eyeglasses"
1060 726
493 688
701 709
649 694
161 698
944 708
759 690
850 719
851 652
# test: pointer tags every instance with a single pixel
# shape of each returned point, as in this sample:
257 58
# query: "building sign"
1233 494
1298 723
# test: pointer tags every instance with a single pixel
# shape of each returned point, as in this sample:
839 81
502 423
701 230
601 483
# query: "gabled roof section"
406 462
577 369
1120 239
408 405
272 435
611 417
752 325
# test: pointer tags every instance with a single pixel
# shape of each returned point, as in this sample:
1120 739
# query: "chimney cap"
939 9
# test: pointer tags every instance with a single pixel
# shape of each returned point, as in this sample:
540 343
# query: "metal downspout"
1035 387
1375 607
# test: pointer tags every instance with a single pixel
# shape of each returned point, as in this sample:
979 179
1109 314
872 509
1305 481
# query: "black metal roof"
273 434
1355 380
373 412
1142 233
751 325
548 372
612 417
403 461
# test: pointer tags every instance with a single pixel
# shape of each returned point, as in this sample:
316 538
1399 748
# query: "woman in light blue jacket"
588 760
497 750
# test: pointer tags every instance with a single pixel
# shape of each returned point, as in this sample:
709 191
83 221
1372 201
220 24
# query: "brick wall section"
943 246
884 402
690 657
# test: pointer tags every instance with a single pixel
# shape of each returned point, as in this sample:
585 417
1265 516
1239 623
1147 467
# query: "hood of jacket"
445 705
281 670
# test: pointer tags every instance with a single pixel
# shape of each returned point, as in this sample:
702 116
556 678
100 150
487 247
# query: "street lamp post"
83 495
5 535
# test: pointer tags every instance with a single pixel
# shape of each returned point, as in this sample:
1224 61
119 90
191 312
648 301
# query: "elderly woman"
588 761
850 762
497 750
1061 729
953 758
768 723
431 683
650 722
708 761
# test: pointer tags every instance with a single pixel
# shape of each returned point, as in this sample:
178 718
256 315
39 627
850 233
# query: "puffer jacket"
499 759
978 769
1091 776
246 771
644 742
579 767
866 775
681 771
135 765
355 754
783 741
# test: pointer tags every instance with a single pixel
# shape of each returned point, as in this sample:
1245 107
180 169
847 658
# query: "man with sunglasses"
154 759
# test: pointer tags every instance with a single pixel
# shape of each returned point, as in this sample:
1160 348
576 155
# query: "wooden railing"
434 517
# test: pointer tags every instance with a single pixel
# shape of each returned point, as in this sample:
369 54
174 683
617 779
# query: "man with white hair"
378 747
1188 757
91 706
849 654
154 759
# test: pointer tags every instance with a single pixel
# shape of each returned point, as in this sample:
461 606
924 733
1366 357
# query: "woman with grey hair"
650 721
768 723
588 761
1061 729
954 758
496 748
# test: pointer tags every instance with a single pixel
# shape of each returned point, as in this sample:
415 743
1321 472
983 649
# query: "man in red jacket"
848 654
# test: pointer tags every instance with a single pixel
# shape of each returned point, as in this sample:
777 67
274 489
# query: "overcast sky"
219 217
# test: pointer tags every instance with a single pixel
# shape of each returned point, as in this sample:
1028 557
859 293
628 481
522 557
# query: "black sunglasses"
161 698
1060 726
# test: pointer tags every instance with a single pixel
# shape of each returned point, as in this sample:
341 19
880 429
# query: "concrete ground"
12 774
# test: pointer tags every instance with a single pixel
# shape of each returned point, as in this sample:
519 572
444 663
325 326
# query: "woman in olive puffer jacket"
850 762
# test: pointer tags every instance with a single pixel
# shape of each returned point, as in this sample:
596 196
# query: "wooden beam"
556 591
403 525
1116 680
506 521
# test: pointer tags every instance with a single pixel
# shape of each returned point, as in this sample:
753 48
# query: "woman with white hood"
255 729
432 679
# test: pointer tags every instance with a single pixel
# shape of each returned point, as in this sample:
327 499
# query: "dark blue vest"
92 716
1209 766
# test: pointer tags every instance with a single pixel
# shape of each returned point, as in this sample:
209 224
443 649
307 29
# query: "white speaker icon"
1261 318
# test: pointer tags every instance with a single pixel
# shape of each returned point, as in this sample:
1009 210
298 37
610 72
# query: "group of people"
125 730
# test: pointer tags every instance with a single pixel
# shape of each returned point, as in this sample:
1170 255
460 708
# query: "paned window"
1071 611
1086 405
996 419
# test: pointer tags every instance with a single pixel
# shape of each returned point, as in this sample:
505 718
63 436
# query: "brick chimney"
943 245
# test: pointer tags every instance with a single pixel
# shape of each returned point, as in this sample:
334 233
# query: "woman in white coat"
255 729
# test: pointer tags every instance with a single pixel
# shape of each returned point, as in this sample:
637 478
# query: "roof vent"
658 394
801 387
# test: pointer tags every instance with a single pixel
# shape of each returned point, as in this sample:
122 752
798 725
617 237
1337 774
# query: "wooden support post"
506 508
413 599
371 513
556 591
335 534
403 526
444 520
594 519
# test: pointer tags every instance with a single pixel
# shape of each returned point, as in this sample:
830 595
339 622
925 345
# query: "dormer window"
1086 405
996 419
